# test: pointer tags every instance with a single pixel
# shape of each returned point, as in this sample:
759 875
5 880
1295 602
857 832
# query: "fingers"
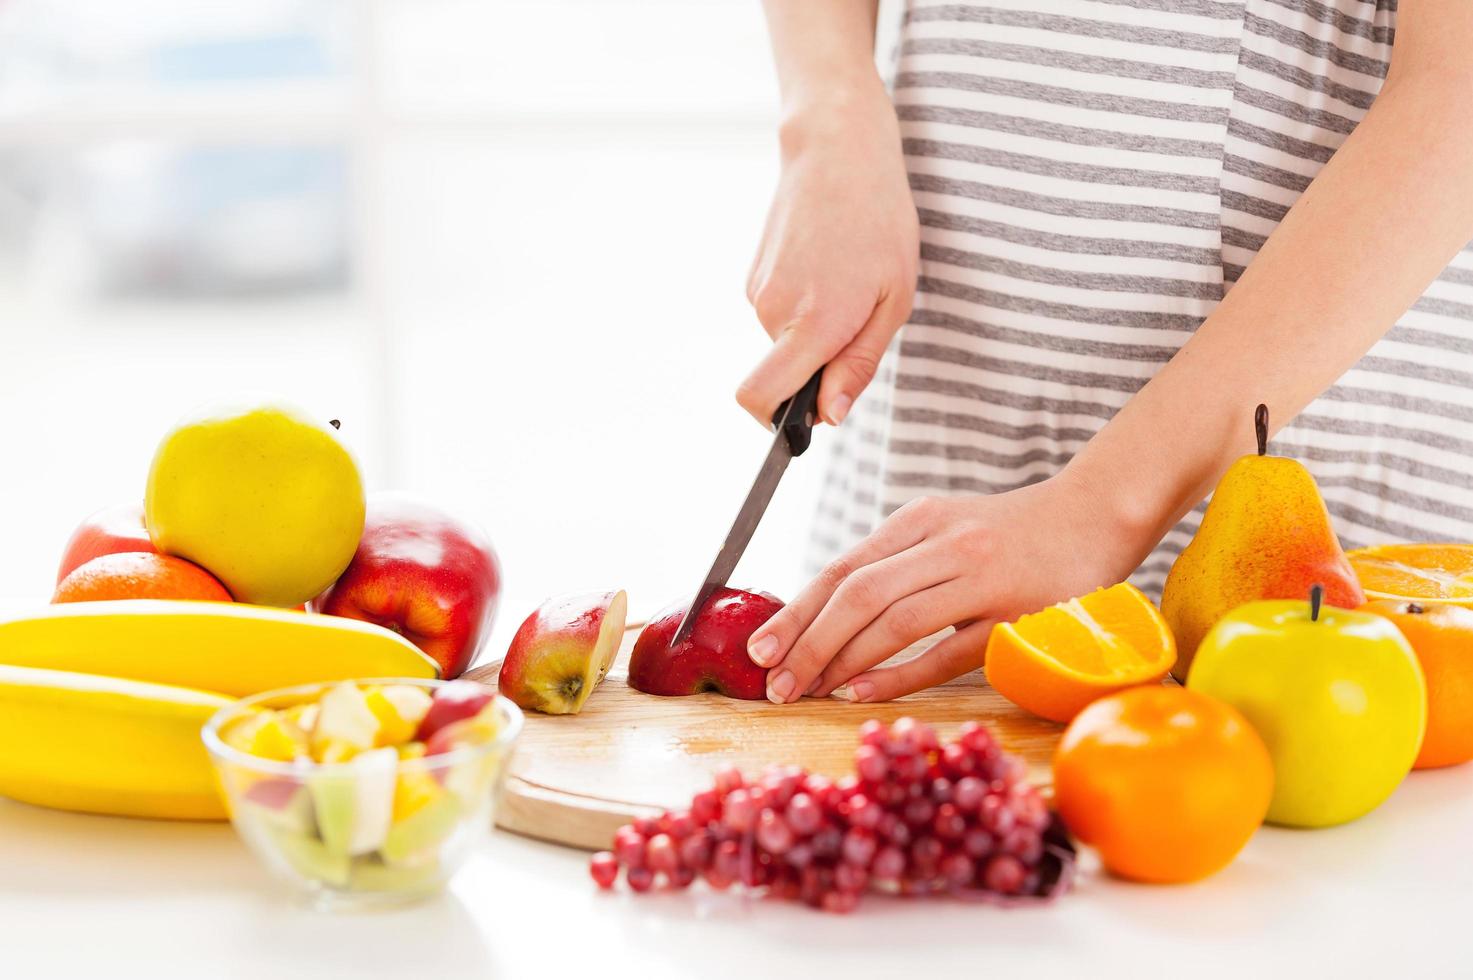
800 348
951 657
850 371
771 642
859 600
912 618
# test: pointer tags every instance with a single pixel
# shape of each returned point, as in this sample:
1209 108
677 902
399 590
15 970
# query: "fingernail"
780 688
858 691
762 649
838 408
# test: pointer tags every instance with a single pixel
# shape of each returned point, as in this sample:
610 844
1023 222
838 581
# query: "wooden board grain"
577 778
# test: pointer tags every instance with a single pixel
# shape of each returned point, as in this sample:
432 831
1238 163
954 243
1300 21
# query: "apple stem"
336 424
1316 597
1260 428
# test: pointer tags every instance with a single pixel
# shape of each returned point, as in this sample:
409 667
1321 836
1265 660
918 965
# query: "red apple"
423 574
714 656
453 702
110 531
562 651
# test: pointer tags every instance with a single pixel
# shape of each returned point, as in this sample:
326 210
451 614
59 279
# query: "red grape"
804 815
728 778
957 869
773 833
705 806
604 868
639 879
950 823
660 854
629 847
968 793
1004 874
888 864
695 850
859 846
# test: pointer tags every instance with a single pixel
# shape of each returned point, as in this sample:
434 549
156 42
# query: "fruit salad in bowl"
364 792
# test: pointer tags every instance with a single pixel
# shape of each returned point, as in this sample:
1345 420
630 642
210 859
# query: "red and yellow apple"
562 651
111 531
713 657
423 573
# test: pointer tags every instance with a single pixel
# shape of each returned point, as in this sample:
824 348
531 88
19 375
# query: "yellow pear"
1266 535
260 494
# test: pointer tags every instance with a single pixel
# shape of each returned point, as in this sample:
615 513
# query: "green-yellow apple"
562 651
1337 695
261 495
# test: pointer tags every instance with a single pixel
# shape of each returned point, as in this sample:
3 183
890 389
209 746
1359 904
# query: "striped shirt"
1091 175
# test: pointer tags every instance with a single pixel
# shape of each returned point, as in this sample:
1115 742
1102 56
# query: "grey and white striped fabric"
1091 175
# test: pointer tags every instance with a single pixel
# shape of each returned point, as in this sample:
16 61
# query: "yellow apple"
263 495
1337 695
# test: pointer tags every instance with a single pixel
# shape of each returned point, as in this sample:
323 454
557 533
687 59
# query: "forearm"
824 53
1362 243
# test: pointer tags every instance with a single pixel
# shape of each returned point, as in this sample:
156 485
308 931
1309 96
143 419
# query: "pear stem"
1316 598
1260 428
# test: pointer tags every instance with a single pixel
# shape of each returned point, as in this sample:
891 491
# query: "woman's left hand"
967 562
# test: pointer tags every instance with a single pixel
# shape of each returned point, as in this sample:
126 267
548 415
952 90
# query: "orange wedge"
1437 572
1056 661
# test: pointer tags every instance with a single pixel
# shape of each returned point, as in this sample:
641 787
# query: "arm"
835 272
1381 220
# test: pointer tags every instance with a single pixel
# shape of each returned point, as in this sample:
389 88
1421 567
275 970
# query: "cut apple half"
563 650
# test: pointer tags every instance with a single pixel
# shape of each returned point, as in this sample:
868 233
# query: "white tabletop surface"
1389 895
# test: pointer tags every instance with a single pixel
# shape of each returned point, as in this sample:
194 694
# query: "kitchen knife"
793 423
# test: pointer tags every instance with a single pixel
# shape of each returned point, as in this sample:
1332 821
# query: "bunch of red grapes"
917 817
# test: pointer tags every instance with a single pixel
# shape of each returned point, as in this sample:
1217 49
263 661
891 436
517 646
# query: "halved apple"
563 650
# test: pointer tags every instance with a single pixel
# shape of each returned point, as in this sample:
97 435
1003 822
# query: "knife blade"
793 422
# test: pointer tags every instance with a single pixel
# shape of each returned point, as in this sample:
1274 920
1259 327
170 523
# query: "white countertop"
1391 894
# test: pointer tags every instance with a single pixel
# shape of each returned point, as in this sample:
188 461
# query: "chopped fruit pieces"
362 805
416 838
802 836
269 735
345 724
451 703
356 803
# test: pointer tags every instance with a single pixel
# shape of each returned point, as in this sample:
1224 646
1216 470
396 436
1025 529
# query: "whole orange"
1442 638
1167 784
137 575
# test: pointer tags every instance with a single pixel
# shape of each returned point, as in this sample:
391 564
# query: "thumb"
851 370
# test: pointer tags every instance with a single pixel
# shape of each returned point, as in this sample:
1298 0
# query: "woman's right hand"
835 273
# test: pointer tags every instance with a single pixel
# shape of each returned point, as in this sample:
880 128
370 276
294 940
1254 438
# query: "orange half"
1438 572
1056 661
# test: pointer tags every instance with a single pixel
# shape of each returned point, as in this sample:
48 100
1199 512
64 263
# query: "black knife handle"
796 417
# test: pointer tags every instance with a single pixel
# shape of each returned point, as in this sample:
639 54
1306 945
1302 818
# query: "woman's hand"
967 562
835 273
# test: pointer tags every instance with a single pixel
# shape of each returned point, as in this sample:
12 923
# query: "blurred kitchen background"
505 241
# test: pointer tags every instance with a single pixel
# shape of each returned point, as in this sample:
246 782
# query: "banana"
106 745
228 648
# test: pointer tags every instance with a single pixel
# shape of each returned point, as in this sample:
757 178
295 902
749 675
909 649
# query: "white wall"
563 199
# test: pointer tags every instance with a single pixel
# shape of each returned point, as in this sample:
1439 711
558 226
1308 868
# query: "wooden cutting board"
579 777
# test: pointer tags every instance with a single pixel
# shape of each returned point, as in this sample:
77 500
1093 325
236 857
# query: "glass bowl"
371 831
